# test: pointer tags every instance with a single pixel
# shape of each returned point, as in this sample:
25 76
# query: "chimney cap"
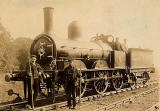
48 8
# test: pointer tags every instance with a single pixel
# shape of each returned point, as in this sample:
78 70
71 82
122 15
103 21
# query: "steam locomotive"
99 64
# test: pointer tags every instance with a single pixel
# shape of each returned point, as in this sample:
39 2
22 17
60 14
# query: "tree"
13 53
5 43
22 46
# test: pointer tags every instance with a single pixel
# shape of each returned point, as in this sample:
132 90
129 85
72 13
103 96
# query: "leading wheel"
132 79
101 84
81 87
146 77
48 90
117 80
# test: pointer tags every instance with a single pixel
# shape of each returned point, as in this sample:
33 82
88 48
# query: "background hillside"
14 53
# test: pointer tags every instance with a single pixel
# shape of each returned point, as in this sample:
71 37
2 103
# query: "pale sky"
136 20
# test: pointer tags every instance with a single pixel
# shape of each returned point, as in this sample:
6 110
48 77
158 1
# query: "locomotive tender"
99 64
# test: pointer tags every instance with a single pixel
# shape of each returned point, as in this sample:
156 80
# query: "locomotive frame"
99 69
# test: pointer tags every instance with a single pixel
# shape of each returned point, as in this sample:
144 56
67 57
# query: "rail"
155 107
89 98
130 99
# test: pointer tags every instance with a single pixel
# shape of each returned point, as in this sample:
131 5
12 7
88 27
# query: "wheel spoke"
100 85
132 79
117 82
83 86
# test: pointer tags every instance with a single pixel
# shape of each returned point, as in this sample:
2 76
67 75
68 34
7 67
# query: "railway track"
129 99
9 106
90 98
155 107
54 106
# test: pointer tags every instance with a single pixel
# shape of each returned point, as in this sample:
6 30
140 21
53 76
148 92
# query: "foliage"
13 52
5 43
22 46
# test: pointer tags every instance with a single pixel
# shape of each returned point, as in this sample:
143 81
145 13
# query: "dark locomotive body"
99 64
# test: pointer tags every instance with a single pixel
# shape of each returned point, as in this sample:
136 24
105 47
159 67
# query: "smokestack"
48 20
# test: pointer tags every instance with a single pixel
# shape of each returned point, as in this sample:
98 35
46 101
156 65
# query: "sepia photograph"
79 55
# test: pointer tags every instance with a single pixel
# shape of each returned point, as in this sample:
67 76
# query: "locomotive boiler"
100 65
